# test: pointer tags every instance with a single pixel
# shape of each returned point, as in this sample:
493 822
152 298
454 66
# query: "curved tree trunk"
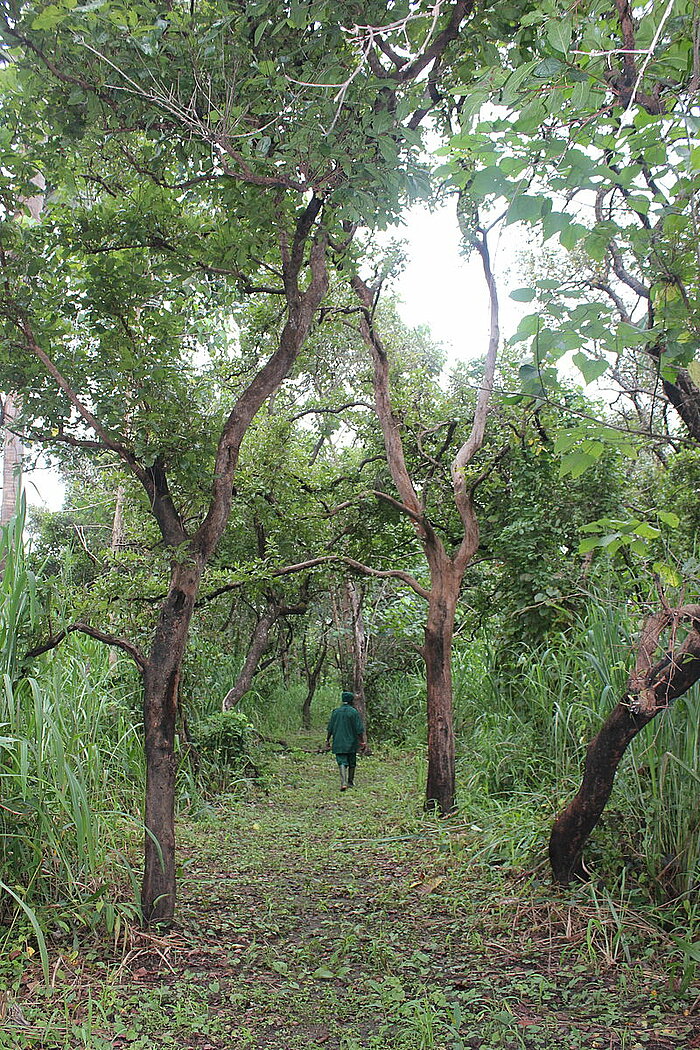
652 689
446 570
258 645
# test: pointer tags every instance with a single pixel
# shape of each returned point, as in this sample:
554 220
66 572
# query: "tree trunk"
11 459
649 694
313 674
437 653
353 606
256 648
161 682
118 523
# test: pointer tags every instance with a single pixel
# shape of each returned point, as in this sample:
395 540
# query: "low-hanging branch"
83 628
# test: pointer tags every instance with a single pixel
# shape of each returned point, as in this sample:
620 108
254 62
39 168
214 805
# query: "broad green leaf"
571 234
669 518
518 77
324 974
548 68
559 36
528 327
670 576
525 208
50 17
523 295
575 463
591 368
646 531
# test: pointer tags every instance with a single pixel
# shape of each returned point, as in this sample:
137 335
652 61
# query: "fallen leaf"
430 885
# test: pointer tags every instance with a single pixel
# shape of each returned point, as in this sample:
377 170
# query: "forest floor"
313 919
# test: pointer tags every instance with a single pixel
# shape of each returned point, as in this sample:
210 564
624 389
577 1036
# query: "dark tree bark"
685 398
161 683
256 648
652 688
313 673
437 654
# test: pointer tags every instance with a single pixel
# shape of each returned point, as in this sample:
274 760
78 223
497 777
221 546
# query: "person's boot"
351 776
343 777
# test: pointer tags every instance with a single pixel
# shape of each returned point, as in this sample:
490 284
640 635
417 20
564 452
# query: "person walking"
346 729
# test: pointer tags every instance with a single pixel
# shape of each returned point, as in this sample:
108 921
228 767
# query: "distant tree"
446 567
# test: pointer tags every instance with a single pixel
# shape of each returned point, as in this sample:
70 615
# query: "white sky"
448 293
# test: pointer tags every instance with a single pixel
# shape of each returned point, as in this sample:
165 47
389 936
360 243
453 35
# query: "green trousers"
347 758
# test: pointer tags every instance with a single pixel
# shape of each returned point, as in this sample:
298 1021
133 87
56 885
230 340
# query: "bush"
224 739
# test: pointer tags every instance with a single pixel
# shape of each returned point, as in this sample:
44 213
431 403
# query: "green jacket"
346 728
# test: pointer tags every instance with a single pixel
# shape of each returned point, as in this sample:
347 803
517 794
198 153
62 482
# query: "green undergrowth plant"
522 739
70 771
225 746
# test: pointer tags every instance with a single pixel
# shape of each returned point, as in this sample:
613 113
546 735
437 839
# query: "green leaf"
647 531
553 223
670 576
525 209
548 68
575 463
528 327
669 518
638 547
523 295
571 234
590 368
50 17
587 545
259 30
559 36
694 369
516 78
324 974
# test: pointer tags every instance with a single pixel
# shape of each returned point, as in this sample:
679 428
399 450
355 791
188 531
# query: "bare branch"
463 496
109 639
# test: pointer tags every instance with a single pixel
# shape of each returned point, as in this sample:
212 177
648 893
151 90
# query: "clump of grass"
522 741
70 769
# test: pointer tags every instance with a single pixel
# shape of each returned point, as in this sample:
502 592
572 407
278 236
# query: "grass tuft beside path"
314 919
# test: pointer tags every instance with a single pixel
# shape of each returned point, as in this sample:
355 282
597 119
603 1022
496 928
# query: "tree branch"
328 559
463 495
109 639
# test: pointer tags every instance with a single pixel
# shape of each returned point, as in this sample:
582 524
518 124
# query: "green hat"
347 698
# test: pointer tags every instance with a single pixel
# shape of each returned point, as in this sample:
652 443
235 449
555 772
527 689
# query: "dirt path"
311 919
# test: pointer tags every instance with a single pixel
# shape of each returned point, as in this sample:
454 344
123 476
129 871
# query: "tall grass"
523 735
71 767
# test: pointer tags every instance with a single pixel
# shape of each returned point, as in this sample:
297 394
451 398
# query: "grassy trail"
314 919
